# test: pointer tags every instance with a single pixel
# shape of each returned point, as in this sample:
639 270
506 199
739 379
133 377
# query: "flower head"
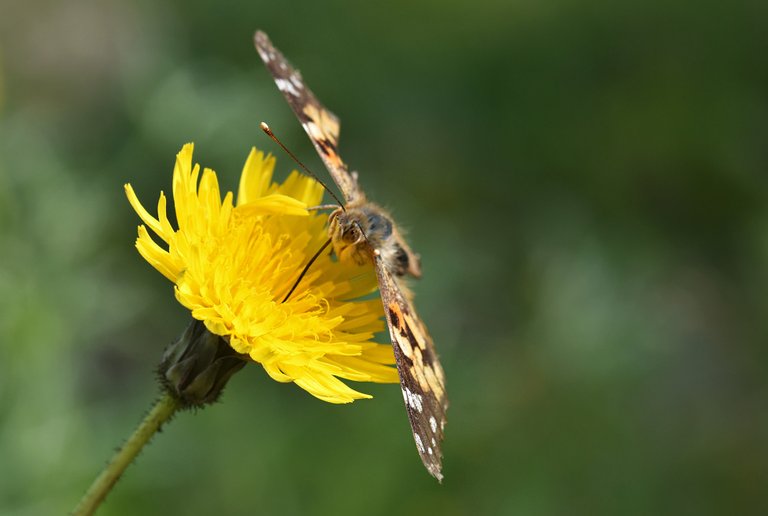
233 264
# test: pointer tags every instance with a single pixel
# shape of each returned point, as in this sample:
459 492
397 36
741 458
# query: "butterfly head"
348 231
360 232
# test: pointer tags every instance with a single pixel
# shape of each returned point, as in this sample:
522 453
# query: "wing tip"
260 37
263 45
435 471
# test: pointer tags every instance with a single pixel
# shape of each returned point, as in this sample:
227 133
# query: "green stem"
160 413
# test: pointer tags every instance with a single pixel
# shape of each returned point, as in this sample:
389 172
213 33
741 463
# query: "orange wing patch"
430 376
323 129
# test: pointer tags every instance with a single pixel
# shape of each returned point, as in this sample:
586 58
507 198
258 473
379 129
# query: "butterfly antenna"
306 268
266 129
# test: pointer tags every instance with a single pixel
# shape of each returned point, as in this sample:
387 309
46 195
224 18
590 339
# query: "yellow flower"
232 265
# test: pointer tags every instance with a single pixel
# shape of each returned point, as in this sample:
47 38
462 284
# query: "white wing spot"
414 400
297 81
433 424
417 398
405 394
429 450
434 443
284 85
419 444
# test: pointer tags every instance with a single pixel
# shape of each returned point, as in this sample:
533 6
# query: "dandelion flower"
232 265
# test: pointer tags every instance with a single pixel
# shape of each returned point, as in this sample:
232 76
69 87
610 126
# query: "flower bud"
196 367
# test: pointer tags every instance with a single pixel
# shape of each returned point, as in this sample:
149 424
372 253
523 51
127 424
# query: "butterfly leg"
323 207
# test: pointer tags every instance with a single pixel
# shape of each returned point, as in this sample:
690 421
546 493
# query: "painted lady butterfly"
363 232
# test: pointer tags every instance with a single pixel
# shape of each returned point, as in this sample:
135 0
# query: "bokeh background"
586 183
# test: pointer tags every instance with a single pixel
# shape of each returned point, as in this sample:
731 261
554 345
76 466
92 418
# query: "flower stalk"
192 374
161 412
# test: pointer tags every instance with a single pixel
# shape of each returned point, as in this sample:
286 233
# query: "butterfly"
363 232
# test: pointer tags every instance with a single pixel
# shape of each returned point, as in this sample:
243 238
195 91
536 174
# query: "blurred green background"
586 183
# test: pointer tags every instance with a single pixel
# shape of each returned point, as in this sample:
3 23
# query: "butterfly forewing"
321 125
421 375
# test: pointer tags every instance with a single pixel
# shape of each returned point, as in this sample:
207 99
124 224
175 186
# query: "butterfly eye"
351 234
